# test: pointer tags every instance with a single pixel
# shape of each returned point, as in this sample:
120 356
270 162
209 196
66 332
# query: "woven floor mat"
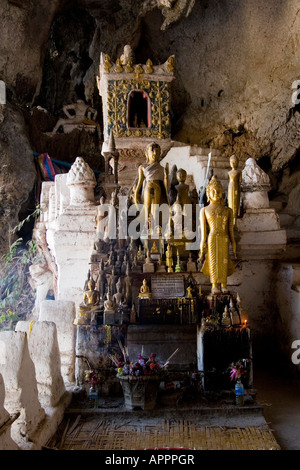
90 433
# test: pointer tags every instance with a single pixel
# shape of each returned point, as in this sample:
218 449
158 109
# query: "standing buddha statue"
216 223
234 187
152 183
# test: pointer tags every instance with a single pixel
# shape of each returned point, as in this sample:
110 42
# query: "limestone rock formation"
17 173
236 70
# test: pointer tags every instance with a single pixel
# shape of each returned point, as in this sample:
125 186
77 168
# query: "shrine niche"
136 97
138 109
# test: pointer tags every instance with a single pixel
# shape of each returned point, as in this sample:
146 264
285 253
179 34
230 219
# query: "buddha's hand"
234 250
202 252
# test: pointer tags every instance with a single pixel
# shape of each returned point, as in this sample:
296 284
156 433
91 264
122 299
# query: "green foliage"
16 293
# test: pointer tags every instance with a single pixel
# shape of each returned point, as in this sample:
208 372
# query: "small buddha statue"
110 260
118 261
124 264
110 310
189 292
234 315
148 266
113 280
154 249
191 265
101 218
140 255
169 259
90 305
133 314
226 317
90 296
109 304
144 290
101 280
118 296
154 252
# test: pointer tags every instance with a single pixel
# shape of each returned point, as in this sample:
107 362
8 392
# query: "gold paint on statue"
91 296
119 68
89 306
154 248
149 68
138 72
144 290
169 259
234 187
107 63
171 64
189 293
216 223
129 66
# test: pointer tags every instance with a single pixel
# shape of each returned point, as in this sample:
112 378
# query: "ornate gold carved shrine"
136 98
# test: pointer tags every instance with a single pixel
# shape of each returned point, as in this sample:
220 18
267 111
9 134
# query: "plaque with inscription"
167 287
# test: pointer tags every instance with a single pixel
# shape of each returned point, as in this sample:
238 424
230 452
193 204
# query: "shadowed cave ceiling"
236 65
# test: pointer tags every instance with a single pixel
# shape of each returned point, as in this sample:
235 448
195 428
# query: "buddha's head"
152 152
234 162
214 190
181 175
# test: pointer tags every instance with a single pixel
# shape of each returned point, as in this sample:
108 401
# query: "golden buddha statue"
216 224
144 290
89 306
90 296
152 184
169 259
154 248
234 187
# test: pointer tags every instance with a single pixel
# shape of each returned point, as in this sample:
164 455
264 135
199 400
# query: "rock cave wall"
236 63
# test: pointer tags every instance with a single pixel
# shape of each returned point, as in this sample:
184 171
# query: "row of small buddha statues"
145 292
114 305
105 298
150 255
115 274
227 314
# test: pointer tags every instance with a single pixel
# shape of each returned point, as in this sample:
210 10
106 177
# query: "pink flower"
233 373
